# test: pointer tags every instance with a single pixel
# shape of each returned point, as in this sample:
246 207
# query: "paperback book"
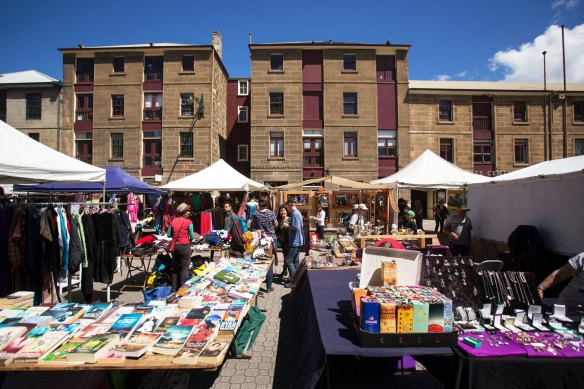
59 355
137 345
16 298
172 340
214 353
126 324
96 311
41 346
94 349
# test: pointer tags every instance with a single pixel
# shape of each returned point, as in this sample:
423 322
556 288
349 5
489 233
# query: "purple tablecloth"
322 305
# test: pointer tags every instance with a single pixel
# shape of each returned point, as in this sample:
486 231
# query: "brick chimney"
217 42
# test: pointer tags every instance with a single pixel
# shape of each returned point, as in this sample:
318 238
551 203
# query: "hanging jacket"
76 254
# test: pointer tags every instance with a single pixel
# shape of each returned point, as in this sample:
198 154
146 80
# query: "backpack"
243 223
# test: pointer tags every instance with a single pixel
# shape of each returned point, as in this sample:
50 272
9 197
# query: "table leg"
460 365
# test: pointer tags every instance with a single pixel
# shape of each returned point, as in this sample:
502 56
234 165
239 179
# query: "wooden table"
421 239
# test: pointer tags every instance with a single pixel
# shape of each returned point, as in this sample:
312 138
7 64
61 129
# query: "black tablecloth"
322 307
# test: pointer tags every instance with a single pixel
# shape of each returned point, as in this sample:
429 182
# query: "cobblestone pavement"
271 359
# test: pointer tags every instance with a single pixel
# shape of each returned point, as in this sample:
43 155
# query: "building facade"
238 124
156 110
321 108
29 101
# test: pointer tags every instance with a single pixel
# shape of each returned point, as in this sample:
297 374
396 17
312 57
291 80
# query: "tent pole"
103 192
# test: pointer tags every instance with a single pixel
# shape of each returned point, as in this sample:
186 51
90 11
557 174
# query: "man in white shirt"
320 216
575 289
358 219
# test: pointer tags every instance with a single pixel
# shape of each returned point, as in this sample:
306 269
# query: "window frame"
117 150
482 145
191 63
84 111
118 108
350 149
34 106
349 104
240 109
580 105
525 146
449 143
345 63
184 144
273 103
524 118
86 68
578 140
450 118
81 138
185 105
239 149
387 136
272 56
239 85
279 145
115 69
35 135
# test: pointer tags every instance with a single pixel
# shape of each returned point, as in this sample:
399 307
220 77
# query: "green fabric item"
248 331
77 220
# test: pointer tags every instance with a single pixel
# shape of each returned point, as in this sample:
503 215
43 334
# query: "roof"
26 77
136 46
329 43
556 167
418 86
345 182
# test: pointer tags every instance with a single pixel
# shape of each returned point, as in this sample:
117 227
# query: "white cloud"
568 4
442 77
462 74
525 64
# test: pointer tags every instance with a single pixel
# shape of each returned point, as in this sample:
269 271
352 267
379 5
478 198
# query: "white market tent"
547 195
218 177
430 171
23 160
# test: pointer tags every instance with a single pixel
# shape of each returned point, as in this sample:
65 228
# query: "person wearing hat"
357 219
181 230
410 221
440 215
350 229
458 227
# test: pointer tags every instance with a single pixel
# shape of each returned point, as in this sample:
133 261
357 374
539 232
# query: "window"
350 145
187 104
521 154
242 115
153 106
153 69
186 144
277 62
117 145
349 62
579 111
276 144
447 149
242 153
84 146
386 144
350 104
84 110
242 89
34 135
33 106
519 111
117 105
188 63
84 70
119 64
277 103
3 104
445 108
578 147
483 152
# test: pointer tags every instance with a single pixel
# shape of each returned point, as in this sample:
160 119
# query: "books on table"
8 334
137 345
126 324
96 311
59 355
90 331
16 299
94 349
172 340
41 346
214 352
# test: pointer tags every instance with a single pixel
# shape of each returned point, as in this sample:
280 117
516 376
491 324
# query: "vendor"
181 230
410 222
351 228
458 226
319 218
358 218
575 289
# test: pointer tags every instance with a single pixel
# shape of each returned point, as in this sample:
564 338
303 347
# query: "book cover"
37 311
436 316
125 324
448 315
59 355
8 334
231 318
166 323
137 345
40 321
218 288
66 313
114 314
198 313
389 270
148 324
95 311
41 346
370 314
214 352
405 318
36 332
357 294
95 348
143 310
420 318
90 331
16 297
17 344
172 340
70 328
387 318
10 312
188 354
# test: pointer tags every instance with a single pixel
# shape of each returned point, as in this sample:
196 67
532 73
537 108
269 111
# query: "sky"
496 40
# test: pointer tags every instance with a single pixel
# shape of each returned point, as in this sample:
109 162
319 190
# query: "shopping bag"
156 293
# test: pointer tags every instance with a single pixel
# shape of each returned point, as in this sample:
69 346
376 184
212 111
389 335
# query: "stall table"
421 238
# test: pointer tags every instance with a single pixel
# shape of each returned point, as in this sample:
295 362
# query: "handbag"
172 242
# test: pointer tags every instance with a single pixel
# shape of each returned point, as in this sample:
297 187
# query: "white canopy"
219 176
23 160
432 172
545 169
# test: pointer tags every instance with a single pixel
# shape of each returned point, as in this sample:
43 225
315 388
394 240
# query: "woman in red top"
181 229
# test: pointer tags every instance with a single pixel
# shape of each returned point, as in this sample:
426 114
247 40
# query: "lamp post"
545 141
564 122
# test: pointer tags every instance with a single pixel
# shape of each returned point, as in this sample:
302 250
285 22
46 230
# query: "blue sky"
450 40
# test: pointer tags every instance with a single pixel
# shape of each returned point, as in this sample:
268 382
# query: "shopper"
574 291
181 230
351 227
458 226
319 218
235 225
265 220
282 234
419 211
410 222
296 239
440 215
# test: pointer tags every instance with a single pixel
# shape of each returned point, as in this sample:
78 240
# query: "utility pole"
545 141
565 113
